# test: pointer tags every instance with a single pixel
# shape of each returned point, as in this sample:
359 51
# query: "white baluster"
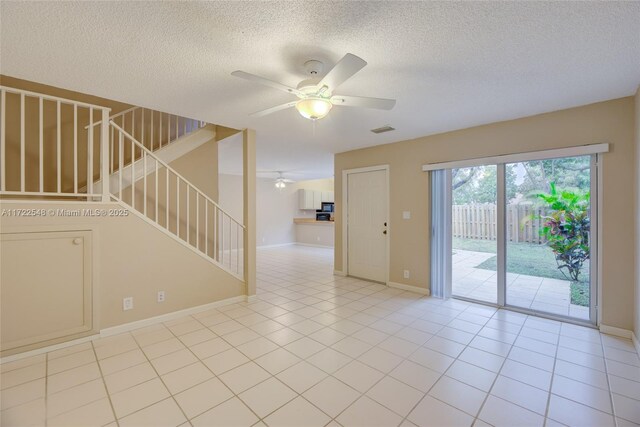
156 173
177 205
144 181
133 173
41 143
3 131
206 227
22 143
89 154
198 221
104 156
120 162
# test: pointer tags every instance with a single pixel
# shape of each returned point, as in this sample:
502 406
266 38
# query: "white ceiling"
450 65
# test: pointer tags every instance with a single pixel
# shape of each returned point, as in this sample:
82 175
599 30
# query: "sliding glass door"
521 234
474 233
548 236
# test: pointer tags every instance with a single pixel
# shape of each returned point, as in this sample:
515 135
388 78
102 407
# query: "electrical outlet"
318 238
160 296
127 303
406 214
406 274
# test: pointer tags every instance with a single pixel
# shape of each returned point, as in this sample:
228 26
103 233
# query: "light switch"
406 215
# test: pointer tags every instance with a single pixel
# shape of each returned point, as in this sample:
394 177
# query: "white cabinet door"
327 196
317 199
312 199
46 289
306 199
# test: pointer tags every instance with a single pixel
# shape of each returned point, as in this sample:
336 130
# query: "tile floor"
536 293
317 350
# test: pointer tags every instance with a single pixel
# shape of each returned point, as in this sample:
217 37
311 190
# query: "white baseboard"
423 291
313 246
275 246
618 332
47 349
636 343
251 298
114 330
339 273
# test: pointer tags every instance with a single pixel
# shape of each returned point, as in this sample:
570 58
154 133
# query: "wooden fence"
479 221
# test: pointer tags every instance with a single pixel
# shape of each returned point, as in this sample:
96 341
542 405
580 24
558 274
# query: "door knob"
77 241
384 232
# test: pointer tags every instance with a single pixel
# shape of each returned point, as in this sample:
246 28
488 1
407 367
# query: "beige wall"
637 185
315 234
275 208
132 258
610 121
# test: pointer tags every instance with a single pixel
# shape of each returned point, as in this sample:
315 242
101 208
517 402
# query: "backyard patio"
525 291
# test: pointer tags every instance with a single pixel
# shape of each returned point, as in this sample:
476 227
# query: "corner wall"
610 121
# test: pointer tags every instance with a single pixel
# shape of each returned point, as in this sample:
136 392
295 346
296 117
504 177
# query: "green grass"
529 259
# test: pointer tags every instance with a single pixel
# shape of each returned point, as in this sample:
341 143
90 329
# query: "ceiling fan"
281 181
316 95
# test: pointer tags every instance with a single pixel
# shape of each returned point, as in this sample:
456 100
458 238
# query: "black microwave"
323 216
326 207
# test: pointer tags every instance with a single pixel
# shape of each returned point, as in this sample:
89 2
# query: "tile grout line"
477 417
553 374
160 378
104 384
606 374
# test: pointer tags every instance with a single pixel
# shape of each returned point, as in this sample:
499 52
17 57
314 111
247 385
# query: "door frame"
345 215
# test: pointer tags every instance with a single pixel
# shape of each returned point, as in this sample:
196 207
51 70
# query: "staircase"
58 149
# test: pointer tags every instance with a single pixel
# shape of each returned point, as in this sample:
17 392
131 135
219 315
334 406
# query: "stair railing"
166 198
153 129
45 152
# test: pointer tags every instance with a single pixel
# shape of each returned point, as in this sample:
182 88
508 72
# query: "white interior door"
367 210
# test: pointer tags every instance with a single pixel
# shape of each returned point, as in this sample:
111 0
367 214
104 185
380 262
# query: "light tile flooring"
536 293
316 350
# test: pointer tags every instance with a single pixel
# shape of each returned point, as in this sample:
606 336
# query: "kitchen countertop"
311 221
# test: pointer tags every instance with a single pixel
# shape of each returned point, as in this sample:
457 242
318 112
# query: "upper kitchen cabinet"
313 199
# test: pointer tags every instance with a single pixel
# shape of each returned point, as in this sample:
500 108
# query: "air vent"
383 129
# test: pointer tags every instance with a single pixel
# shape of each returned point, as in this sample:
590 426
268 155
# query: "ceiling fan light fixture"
280 184
313 108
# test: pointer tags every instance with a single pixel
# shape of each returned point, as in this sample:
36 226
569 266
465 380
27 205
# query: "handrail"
172 170
121 113
52 98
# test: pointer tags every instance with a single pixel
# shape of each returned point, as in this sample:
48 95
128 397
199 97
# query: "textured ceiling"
450 65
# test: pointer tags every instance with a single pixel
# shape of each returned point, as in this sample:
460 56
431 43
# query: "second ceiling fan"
316 95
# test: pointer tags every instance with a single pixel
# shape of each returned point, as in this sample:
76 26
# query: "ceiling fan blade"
273 109
345 68
363 101
267 82
288 181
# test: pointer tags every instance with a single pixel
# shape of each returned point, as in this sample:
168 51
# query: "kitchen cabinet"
308 200
312 199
